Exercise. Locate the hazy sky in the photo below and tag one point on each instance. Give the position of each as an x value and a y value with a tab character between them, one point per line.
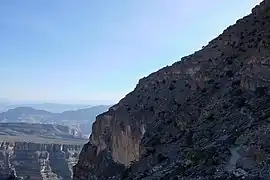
67	50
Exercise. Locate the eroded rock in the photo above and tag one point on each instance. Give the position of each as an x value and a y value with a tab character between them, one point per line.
32	161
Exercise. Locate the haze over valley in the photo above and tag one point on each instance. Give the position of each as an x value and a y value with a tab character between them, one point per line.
81	119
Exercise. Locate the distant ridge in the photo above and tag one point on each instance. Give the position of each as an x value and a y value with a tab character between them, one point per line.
51	107
80	118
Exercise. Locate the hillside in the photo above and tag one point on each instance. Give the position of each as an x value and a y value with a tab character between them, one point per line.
204	117
81	118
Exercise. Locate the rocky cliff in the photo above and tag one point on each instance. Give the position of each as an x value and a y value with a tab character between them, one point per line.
35	161
38	151
204	117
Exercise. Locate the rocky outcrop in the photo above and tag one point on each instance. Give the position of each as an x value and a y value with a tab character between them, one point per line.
38	161
204	117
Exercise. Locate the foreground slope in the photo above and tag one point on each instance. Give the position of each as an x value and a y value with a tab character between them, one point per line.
205	117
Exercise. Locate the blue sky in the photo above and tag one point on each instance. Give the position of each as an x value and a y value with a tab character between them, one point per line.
74	51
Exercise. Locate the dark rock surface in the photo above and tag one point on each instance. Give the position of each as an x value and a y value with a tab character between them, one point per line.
205	117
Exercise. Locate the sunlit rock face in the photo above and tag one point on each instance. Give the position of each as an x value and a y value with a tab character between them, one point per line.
38	161
204	117
113	144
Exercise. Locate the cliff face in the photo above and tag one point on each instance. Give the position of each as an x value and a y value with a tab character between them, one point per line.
38	151
206	116
38	161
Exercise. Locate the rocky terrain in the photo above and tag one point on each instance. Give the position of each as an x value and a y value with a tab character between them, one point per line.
80	118
36	161
204	117
38	151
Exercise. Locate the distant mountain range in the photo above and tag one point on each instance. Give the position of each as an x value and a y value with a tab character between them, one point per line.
39	133
80	118
51	107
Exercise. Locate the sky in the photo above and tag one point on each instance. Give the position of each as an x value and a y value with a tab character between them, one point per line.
97	50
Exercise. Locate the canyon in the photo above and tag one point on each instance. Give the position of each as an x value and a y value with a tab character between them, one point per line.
36	161
204	117
38	151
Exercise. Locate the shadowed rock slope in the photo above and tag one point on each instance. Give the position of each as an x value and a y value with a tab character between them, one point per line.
205	117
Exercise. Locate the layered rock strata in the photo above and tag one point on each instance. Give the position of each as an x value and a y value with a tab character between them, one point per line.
35	161
204	117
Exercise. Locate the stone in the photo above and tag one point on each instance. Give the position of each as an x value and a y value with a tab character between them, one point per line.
239	172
